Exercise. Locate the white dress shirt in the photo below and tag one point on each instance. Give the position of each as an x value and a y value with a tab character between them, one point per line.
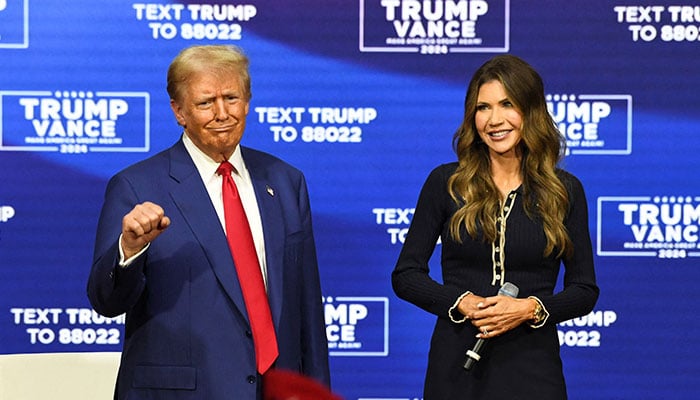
207	167
207	170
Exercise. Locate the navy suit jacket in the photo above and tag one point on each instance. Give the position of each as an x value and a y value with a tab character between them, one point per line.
187	334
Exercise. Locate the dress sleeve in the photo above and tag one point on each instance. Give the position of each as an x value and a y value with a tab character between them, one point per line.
580	291
411	276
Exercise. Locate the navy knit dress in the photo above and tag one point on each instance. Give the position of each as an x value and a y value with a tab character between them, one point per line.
523	363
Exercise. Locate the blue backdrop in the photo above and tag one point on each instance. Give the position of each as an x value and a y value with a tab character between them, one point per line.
364	97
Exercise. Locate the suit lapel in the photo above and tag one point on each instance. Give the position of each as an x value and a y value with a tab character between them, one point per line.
268	199
192	200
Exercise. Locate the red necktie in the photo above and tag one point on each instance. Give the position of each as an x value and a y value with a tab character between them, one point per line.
240	241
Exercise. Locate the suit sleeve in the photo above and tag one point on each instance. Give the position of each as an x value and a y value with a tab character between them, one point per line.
113	290
314	341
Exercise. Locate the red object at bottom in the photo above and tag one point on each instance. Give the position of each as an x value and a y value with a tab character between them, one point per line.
287	385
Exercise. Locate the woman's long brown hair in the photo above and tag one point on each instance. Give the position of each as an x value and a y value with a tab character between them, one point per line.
472	186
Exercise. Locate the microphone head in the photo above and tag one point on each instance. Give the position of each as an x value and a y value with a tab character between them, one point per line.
508	289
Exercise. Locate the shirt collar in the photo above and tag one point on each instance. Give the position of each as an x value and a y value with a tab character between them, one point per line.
206	165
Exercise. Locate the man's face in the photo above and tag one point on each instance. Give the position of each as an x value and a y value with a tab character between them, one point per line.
213	111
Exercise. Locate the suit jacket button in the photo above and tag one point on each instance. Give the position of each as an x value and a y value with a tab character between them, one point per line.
249	334
252	379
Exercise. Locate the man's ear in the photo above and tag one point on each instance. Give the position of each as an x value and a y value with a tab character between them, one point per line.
177	110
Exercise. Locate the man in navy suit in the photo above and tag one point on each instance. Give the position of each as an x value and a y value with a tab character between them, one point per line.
162	257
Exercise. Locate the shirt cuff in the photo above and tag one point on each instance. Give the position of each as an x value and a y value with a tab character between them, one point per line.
546	314
125	263
452	312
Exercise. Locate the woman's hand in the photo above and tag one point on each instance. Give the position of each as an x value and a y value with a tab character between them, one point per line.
496	315
469	304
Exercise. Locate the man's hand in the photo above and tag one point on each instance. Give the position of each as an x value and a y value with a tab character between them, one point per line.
141	226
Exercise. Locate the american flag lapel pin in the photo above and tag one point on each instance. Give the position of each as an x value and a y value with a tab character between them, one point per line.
270	190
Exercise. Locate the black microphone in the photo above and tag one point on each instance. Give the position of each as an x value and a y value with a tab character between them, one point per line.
508	289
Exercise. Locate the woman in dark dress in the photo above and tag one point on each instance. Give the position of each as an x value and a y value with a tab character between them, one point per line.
504	212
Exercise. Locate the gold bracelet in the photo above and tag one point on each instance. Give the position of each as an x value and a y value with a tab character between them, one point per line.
538	315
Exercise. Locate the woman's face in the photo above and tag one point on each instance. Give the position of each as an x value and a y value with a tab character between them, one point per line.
497	120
